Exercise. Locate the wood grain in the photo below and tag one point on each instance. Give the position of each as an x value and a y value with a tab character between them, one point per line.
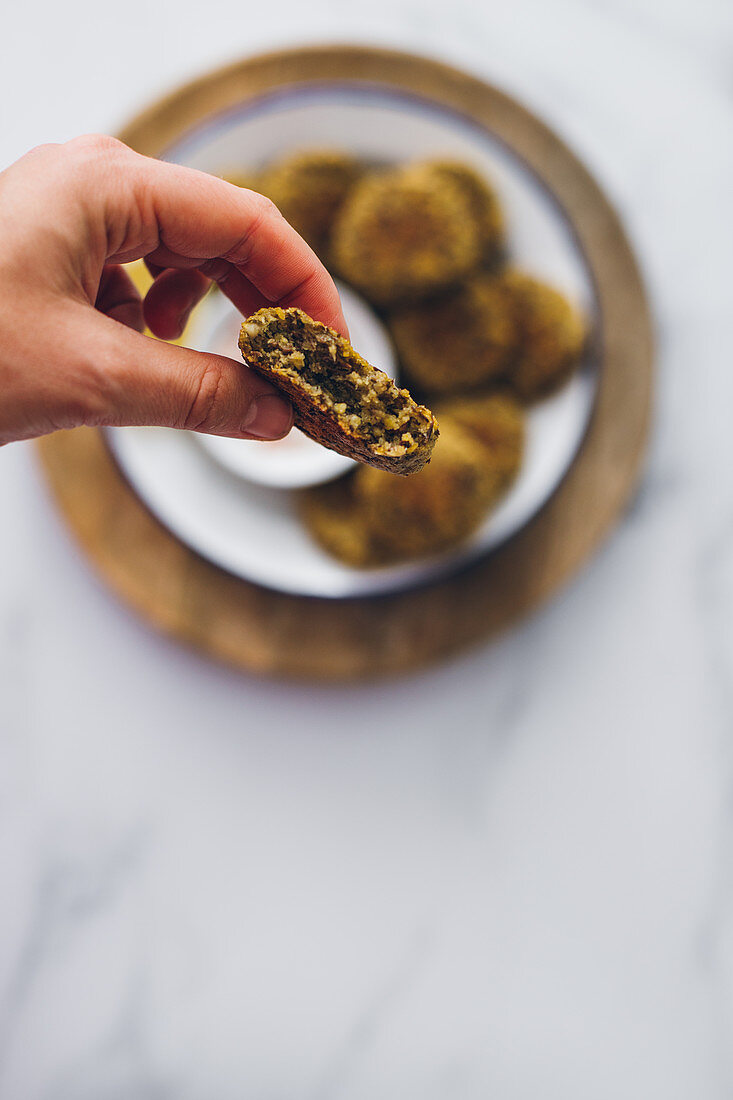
279	634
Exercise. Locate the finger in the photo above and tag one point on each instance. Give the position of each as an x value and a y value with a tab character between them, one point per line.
230	280
235	286
171	298
270	273
154	269
141	380
240	292
118	297
202	217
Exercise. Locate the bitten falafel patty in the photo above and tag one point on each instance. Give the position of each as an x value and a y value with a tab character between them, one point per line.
340	400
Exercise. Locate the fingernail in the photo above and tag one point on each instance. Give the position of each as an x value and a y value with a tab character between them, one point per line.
268	417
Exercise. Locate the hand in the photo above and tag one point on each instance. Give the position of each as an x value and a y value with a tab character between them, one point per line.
71	345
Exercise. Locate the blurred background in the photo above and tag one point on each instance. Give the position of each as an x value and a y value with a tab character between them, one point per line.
506	876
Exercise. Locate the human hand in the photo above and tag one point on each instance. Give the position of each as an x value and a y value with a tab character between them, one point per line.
71	345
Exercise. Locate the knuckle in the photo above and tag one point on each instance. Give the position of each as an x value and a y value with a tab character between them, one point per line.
96	142
94	394
264	207
97	147
88	411
85	398
204	408
43	149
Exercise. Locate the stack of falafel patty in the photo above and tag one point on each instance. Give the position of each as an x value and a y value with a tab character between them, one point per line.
477	339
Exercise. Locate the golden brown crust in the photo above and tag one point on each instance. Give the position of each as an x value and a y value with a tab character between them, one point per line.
483	202
371	519
496	421
309	188
461	340
339	525
346	405
438	508
404	234
551	335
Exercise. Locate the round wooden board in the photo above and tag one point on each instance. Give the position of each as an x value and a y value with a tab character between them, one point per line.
275	633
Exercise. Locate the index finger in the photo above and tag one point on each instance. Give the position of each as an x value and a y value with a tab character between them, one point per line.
197	217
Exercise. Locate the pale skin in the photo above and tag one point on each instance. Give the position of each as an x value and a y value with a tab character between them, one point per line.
72	349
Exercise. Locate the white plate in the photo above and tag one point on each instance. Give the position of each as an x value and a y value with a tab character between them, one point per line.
253	531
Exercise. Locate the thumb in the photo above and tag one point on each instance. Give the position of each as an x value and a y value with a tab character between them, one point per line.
146	381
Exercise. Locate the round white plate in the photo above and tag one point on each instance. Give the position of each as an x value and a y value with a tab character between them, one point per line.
252	530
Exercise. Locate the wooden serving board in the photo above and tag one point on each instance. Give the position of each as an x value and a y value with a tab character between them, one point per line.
279	634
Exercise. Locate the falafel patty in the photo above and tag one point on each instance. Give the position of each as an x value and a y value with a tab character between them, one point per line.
309	188
551	335
340	400
463	339
404	234
483	201
497	421
370	518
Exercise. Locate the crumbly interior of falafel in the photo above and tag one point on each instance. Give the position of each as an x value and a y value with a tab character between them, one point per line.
364	400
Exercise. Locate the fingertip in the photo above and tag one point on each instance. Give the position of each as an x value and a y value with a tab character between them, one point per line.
328	304
319	298
165	326
333	313
269	417
118	298
171	299
340	325
339	322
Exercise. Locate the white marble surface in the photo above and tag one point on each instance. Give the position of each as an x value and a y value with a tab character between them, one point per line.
214	887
